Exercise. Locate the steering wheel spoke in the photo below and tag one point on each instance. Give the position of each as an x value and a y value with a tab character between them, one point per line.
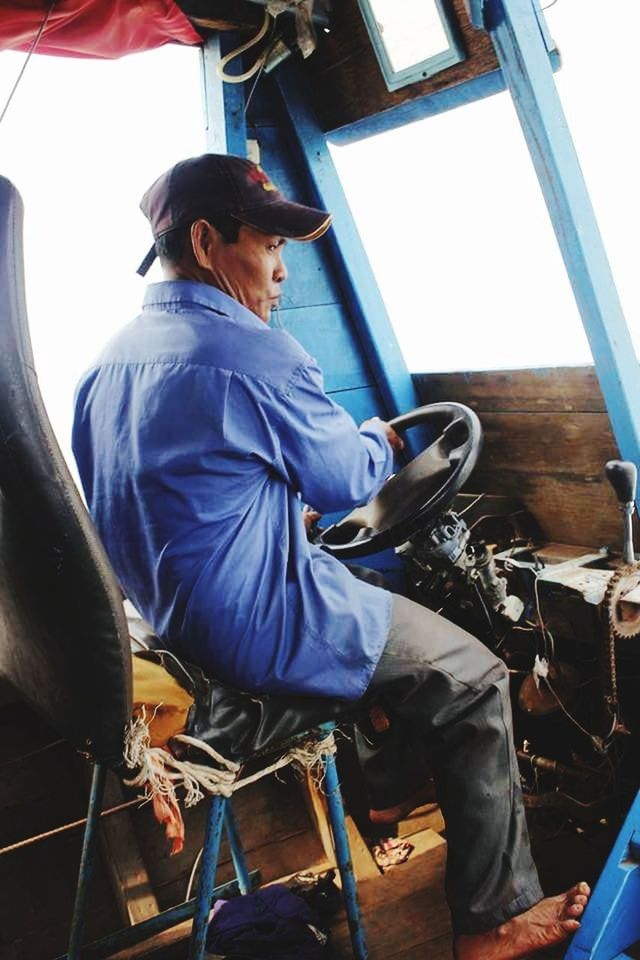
419	492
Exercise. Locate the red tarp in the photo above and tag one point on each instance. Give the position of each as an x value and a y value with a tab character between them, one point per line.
94	28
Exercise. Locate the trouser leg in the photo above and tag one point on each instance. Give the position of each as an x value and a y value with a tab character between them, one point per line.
394	765
445	688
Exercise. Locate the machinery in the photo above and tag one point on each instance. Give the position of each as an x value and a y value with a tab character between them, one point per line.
565	621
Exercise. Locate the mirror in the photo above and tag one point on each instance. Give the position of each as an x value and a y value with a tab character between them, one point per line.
413	39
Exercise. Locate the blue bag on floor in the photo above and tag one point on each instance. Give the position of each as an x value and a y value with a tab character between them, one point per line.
270	924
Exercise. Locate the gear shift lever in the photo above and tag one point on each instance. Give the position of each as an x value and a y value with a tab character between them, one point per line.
623	477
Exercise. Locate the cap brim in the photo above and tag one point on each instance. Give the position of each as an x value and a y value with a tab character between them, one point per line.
284	218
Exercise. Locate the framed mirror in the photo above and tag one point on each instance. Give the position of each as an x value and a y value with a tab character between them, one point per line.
413	39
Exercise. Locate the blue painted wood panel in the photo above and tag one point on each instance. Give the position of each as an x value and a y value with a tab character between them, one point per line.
314	306
362	295
362	403
311	277
325	333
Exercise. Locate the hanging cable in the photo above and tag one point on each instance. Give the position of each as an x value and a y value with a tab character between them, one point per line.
35	43
271	42
240	78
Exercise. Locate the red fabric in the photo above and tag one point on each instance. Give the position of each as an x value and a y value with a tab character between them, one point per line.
104	29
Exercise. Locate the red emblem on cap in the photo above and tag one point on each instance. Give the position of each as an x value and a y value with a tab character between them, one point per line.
258	175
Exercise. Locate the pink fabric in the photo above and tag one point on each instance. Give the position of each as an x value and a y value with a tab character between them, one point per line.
103	29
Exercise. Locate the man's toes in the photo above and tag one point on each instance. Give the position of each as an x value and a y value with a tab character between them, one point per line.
574	909
581	899
569	926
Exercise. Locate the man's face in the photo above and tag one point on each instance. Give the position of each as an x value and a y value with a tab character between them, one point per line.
250	270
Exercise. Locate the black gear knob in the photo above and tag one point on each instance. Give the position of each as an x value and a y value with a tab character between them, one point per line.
623	477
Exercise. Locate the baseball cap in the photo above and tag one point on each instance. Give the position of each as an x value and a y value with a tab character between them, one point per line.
214	184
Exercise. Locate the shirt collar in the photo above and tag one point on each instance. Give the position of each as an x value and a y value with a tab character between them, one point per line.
186	293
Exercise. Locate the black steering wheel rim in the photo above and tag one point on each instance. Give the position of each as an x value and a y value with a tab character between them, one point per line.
419	492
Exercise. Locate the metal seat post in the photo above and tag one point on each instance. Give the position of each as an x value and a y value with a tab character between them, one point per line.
87	861
343	853
208	867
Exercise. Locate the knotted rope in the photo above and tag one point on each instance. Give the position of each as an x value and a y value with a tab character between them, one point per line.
160	773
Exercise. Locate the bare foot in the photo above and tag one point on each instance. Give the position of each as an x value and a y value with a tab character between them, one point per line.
548	922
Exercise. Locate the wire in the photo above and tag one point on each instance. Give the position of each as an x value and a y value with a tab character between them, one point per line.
484	606
35	43
241	77
565	711
549	642
271	42
461	513
496	516
192	875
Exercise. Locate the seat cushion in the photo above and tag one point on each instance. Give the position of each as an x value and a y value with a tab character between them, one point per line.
160	699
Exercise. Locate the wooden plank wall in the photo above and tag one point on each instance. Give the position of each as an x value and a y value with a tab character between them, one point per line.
348	83
313	307
547	438
42	786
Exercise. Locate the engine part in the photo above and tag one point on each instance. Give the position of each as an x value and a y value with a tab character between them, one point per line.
538	698
622	601
494	587
446	544
443	544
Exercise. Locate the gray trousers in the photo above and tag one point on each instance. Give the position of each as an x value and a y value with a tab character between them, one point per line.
448	700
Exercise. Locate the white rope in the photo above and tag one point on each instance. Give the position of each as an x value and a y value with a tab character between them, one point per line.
159	772
241	77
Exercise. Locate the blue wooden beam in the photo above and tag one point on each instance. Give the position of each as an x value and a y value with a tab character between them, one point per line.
224	103
356	276
428	105
520	46
439	101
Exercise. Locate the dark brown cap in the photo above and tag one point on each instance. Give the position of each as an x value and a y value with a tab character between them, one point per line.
217	184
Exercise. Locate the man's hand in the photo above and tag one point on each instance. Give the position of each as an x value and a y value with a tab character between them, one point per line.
309	517
395	441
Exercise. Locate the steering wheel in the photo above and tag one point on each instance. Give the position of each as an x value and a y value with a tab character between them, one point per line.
419	492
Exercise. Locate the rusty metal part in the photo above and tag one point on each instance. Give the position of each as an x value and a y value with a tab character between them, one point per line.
547	765
583	813
624	623
537	699
623	615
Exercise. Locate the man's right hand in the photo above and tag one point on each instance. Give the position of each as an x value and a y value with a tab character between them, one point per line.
395	441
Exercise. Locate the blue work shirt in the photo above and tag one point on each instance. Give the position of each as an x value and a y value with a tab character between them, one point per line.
195	434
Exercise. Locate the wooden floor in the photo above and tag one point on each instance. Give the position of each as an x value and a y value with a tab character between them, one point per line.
405	912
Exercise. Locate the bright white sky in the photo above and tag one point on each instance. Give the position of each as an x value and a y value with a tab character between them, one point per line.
458	236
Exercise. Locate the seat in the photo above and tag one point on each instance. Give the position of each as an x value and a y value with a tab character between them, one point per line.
68	651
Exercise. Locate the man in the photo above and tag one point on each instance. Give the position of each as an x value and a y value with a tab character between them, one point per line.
195	434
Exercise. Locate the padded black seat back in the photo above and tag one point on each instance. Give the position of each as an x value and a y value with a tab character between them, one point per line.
63	633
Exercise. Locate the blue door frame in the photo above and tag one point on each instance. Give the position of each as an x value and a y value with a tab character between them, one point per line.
517	30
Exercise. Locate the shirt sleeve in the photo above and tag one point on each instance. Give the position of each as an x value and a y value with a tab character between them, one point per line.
333	464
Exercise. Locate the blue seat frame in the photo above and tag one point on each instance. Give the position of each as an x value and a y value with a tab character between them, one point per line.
221	815
611	921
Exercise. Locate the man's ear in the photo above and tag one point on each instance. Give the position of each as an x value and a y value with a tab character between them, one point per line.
204	242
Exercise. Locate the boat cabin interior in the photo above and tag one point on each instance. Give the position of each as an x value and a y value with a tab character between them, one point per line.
513	514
